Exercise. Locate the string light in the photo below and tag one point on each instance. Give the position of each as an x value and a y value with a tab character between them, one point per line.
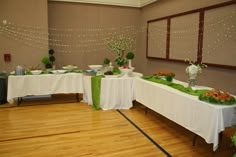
87	39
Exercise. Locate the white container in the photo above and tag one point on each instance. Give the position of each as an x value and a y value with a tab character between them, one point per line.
36	72
95	67
20	70
126	72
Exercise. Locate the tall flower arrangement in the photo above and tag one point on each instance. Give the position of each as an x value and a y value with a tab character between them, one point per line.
193	70
121	45
201	65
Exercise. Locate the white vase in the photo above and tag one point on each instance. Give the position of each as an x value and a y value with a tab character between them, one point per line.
130	63
193	71
53	67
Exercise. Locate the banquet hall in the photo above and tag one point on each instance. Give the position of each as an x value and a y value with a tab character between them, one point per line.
112	78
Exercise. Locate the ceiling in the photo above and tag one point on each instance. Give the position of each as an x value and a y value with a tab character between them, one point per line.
128	3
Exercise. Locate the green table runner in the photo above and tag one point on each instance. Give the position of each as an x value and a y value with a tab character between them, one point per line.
177	86
96	89
189	90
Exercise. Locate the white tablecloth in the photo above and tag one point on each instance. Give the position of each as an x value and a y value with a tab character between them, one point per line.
116	93
20	86
204	119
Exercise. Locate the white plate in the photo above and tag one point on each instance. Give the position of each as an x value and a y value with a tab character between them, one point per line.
58	71
13	73
95	67
89	71
69	67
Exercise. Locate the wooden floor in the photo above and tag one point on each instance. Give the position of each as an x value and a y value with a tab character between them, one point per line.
71	129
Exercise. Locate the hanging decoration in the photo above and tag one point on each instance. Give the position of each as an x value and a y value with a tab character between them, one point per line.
90	40
65	40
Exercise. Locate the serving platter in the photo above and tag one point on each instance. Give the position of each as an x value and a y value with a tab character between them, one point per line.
58	71
36	72
69	67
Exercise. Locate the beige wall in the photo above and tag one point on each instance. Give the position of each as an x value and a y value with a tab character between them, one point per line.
75	15
224	79
31	13
83	19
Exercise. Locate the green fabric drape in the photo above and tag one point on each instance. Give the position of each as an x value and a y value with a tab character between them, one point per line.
96	89
189	90
177	86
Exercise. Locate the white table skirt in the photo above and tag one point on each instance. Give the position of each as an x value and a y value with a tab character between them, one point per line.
116	93
87	88
204	119
20	86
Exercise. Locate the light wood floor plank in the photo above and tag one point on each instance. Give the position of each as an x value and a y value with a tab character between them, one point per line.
75	129
175	139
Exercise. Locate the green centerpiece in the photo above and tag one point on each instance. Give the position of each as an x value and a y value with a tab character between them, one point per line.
130	56
48	61
45	60
52	59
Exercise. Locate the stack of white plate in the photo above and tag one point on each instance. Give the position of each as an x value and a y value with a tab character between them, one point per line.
36	72
58	71
69	67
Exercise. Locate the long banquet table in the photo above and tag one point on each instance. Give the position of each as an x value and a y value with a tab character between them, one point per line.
24	85
204	119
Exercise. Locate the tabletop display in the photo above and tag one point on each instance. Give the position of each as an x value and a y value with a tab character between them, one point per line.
202	118
187	107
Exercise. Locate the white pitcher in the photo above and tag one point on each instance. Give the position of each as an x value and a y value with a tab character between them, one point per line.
20	70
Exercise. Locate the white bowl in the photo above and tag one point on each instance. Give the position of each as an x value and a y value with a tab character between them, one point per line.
95	67
58	71
125	72
36	72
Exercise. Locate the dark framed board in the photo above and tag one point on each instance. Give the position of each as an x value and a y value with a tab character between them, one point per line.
206	35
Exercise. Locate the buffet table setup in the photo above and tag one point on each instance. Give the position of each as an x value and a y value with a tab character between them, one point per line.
182	106
202	110
191	107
